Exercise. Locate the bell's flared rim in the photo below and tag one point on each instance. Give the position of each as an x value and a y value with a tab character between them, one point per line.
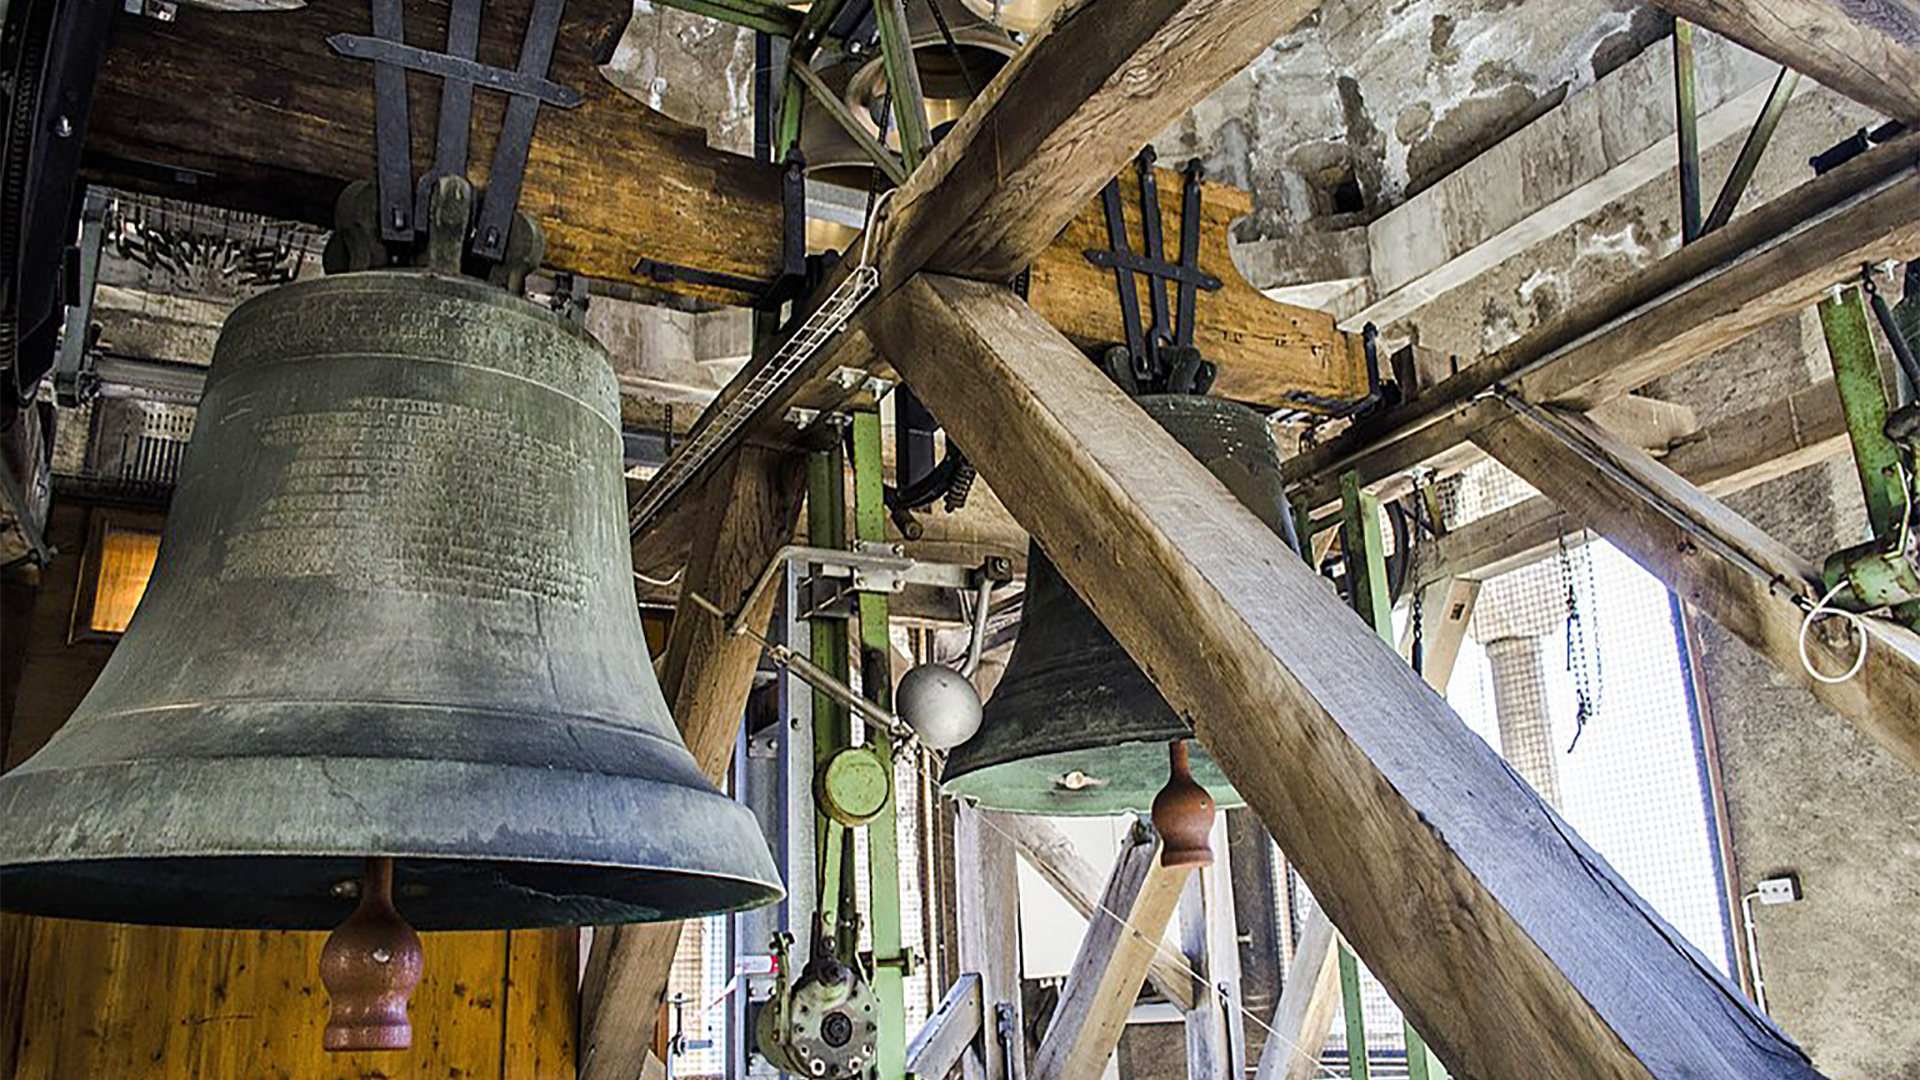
1083	781
269	843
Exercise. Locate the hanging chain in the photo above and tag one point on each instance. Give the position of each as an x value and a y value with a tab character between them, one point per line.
1583	653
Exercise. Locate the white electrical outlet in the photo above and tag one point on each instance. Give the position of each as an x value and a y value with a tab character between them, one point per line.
1779	890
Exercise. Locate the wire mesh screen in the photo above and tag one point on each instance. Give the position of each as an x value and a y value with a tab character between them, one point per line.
696	1010
1575	672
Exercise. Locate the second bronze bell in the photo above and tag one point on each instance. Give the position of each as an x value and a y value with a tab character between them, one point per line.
1075	727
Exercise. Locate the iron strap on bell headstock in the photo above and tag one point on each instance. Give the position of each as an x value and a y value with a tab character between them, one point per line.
1160	358
403	205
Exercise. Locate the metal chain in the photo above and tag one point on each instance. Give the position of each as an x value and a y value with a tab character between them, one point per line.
1583	653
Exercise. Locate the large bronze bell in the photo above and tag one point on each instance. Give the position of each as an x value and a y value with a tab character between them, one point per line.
1075	727
393	618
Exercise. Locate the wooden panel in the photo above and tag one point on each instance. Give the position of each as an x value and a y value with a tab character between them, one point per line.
255	112
1264	348
100	1000
1442	868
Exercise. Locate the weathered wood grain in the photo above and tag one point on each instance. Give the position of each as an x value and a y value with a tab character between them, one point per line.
1264	349
1768	262
1868	50
1068	113
1437	863
1135	907
255	112
1729	456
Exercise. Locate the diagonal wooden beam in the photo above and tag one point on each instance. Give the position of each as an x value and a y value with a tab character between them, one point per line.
1067	114
1441	867
707	673
1304	1013
1731	455
1135	908
1054	858
1736	575
1767	263
1868	50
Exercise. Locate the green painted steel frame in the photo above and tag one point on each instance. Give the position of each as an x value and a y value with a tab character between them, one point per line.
1363	548
890	960
1863	400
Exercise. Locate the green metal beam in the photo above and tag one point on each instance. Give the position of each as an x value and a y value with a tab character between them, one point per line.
1364	550
1863	400
1365	556
1687	130
890	959
832	724
903	81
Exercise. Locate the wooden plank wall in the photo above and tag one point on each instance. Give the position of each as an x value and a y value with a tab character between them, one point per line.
95	1000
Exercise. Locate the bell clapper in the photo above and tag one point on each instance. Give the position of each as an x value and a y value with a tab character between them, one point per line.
1183	814
370	965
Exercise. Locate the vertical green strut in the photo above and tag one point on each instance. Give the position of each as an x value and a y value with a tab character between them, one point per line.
1366	563
832	727
890	961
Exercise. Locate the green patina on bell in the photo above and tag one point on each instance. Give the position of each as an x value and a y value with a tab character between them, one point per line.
393	616
1075	727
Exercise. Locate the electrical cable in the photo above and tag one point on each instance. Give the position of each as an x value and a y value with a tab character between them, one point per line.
657	583
1859	629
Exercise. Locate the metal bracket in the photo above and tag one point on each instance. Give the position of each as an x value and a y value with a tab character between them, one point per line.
1149	348
403	204
74	380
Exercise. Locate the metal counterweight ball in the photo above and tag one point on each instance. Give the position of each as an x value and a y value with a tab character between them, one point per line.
940	704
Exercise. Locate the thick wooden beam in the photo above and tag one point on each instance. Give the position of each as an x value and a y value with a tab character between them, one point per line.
1265	350
987	896
1060	865
1730	571
255	112
936	1050
1304	1013
1731	455
1068	113
1438	864
1868	50
1135	908
1769	262
706	674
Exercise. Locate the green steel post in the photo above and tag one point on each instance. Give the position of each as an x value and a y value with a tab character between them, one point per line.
1350	1008
1686	101
1365	556
786	132
1364	549
832	726
903	82
1863	400
883	837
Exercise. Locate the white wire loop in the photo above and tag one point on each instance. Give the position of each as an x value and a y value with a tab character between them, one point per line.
1815	614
